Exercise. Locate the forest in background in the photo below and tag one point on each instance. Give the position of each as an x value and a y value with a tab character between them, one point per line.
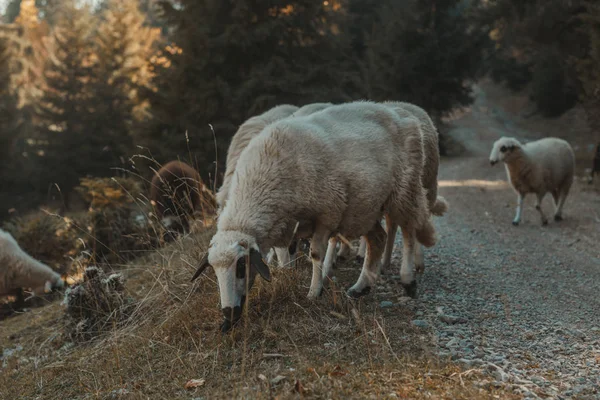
100	88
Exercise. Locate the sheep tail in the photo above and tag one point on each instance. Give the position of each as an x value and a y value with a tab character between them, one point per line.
426	234
440	207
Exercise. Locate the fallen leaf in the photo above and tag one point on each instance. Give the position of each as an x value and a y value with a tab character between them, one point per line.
194	383
298	387
337	315
337	371
277	379
262	377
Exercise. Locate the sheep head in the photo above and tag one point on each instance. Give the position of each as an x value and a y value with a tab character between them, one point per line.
503	149
236	259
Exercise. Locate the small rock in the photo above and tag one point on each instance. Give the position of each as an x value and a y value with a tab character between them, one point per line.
420	323
277	379
386	304
451	319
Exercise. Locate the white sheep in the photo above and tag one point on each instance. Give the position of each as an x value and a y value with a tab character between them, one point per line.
437	204
245	133
542	166
348	165
20	271
311	108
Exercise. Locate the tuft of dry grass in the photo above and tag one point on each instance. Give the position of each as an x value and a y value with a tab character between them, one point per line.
285	347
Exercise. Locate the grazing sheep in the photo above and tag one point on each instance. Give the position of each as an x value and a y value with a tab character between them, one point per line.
546	165
21	271
437	204
595	165
351	165
245	133
177	192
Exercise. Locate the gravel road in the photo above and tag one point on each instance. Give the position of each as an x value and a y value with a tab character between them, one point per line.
521	303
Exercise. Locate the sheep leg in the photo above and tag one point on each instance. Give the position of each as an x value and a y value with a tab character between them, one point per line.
419	258
270	256
329	257
360	256
318	248
283	256
375	240
344	250
538	206
407	275
392	228
561	202
520	200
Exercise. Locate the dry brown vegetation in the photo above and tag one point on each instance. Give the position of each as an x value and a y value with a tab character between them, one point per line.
286	347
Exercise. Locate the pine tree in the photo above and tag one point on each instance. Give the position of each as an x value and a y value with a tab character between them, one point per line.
424	52
69	145
588	66
9	114
123	44
234	59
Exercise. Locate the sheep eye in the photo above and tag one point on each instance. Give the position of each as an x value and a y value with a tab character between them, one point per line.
240	270
503	149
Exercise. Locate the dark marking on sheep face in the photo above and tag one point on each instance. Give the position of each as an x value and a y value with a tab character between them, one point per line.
232	316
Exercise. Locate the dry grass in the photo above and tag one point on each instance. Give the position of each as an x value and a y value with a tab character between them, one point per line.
287	347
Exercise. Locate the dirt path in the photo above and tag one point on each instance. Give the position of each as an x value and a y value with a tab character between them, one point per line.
524	301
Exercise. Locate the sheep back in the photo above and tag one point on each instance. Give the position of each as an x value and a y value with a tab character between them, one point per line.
245	133
344	167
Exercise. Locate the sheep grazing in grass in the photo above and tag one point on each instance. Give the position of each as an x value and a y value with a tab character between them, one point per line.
177	192
351	164
546	165
240	140
21	271
595	165
437	204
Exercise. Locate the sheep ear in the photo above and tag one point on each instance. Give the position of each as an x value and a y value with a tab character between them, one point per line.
203	264
257	262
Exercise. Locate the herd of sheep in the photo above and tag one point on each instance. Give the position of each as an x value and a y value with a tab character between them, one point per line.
329	174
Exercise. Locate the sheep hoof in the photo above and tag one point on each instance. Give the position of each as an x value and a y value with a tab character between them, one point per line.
544	222
313	295
227	325
420	268
515	223
558	218
353	294
411	289
360	260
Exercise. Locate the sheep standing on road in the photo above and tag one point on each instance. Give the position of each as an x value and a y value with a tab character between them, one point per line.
18	271
546	165
350	166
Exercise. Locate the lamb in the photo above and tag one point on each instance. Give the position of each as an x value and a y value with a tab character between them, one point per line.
351	166
177	192
437	204
542	166
595	165
21	271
